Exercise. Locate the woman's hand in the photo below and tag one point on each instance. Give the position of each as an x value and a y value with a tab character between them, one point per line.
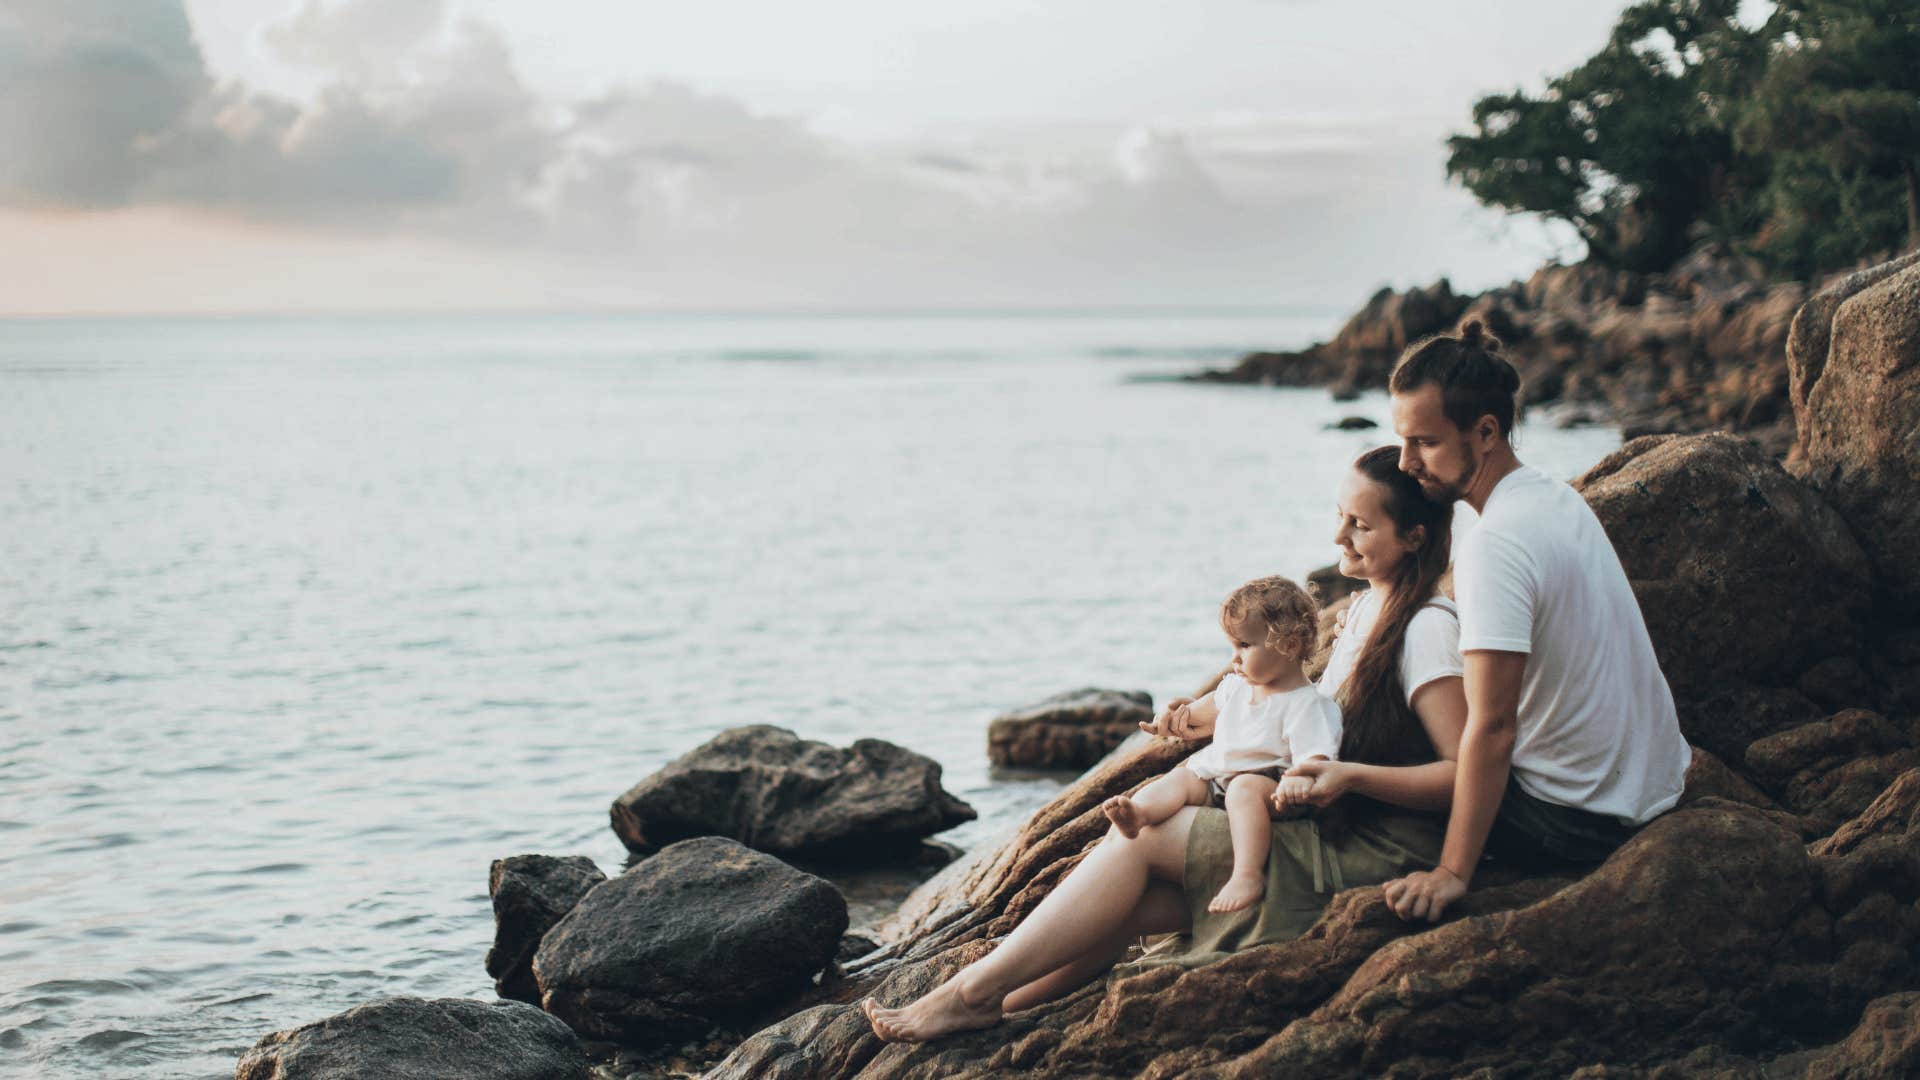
1292	792
1424	895
1330	780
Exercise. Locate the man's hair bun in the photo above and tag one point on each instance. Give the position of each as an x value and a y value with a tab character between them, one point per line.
1473	334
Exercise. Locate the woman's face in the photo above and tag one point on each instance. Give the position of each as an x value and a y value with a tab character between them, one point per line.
1371	547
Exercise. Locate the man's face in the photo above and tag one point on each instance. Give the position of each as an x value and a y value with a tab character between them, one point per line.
1434	452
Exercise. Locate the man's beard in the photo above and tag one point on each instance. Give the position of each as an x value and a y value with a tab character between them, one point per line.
1437	490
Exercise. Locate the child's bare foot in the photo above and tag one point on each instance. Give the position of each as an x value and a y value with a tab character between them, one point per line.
940	1012
1239	892
1124	815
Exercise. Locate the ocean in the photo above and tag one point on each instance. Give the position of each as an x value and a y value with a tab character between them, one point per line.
304	621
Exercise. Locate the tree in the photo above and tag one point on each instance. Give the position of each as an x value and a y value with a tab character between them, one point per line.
1634	148
1838	110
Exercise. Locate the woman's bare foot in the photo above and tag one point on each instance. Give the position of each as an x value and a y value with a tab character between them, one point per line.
1239	892
1124	815
942	1011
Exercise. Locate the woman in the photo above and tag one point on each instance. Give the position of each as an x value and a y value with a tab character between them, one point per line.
1396	673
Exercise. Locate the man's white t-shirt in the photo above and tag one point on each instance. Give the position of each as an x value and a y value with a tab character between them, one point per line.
1596	728
1430	650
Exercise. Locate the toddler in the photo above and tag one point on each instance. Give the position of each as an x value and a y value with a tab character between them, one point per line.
1266	716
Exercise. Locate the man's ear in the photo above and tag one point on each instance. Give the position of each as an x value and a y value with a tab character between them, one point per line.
1416	538
1487	429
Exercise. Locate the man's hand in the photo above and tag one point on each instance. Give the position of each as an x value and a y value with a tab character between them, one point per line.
1292	792
1326	781
1424	895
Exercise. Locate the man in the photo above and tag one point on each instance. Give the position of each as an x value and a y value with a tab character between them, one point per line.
1571	741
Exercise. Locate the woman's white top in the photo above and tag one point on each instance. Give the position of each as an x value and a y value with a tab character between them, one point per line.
1431	649
1271	733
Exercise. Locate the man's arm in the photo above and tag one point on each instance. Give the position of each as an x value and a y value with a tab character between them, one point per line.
1480	781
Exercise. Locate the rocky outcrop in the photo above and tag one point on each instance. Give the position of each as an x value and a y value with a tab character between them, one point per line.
1071	730
1854	362
704	933
443	1039
1832	769
1744	575
774	791
1700	347
530	894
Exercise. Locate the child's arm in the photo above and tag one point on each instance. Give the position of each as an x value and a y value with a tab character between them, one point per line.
1192	720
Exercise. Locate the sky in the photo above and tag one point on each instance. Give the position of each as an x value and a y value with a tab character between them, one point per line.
233	156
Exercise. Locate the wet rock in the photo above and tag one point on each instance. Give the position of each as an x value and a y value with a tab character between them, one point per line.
1854	369
1352	423
771	790
1745	576
1071	730
703	933
418	1039
530	894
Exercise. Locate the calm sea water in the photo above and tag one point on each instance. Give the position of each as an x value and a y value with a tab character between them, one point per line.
304	622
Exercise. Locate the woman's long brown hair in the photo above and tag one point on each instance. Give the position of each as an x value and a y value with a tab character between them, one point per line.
1379	726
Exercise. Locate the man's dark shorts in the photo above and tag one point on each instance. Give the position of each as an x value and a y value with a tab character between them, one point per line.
1537	834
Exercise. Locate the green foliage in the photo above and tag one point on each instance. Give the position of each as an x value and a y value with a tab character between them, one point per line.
1798	140
1839	110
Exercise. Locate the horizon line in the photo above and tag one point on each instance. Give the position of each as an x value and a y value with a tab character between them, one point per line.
771	311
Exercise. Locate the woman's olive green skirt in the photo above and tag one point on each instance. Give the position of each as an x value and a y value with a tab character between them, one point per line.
1309	860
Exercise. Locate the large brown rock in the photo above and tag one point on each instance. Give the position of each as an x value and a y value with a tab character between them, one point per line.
1854	364
408	1038
1744	575
704	933
774	791
1071	730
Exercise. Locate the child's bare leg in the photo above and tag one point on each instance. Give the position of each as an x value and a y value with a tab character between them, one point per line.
1247	821
1156	802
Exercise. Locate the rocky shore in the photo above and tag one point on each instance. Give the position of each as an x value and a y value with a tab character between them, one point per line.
1768	927
1699	348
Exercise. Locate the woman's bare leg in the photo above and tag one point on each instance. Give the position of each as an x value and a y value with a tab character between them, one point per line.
1162	910
1252	832
1081	916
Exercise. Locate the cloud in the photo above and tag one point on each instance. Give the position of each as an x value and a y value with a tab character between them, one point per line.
424	128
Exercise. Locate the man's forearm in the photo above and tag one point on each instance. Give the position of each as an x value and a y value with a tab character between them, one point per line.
1479	783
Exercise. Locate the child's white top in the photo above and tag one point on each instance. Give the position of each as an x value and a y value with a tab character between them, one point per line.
1278	731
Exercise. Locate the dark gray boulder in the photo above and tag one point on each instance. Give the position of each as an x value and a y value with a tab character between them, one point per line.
704	933
408	1038
772	790
1071	730
531	893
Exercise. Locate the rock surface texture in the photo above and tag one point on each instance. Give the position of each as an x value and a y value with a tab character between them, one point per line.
774	791
702	934
1744	575
530	894
1067	731
1854	358
415	1039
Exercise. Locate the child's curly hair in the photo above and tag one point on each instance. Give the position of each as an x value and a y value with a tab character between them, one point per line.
1292	618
